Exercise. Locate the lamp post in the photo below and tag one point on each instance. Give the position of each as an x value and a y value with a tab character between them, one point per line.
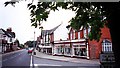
34	44
32	66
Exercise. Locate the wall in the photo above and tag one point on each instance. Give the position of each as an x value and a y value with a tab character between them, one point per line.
96	47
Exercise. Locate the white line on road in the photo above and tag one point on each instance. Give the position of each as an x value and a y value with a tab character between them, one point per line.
31	62
46	65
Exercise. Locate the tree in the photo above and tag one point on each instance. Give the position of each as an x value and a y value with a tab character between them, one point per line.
91	14
17	42
29	43
87	13
22	46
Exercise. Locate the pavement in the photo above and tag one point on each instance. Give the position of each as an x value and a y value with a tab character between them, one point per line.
67	59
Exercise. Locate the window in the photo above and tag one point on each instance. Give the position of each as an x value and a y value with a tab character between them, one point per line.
79	35
10	39
88	30
106	46
74	34
71	35
85	33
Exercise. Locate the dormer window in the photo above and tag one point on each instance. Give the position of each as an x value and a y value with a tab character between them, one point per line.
106	46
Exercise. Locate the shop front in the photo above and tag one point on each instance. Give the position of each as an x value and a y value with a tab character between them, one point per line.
59	49
67	50
80	51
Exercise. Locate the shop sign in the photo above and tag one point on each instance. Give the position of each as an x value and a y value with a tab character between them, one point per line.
107	58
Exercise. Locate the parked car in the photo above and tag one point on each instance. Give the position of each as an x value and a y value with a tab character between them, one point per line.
30	50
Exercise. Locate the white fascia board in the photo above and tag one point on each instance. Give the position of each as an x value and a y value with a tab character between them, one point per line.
77	40
79	44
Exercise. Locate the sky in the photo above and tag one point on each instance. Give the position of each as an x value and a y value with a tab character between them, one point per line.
18	18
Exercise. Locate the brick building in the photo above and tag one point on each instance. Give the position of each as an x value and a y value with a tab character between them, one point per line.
78	45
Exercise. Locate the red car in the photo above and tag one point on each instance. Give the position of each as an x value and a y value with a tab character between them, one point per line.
30	50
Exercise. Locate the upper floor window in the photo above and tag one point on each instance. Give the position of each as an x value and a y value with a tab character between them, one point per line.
88	30
85	34
106	46
74	34
79	35
71	35
10	39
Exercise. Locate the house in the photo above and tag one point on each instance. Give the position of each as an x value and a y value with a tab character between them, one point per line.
46	40
3	40
10	40
74	46
7	37
78	45
104	44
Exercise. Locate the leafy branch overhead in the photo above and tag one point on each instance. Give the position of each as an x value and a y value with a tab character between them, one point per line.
87	15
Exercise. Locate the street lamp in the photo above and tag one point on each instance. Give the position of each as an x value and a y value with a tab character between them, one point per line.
34	44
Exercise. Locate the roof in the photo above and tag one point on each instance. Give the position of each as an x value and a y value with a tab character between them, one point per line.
8	33
11	33
2	31
45	32
106	41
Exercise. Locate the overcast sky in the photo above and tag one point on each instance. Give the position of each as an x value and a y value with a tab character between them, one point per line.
18	18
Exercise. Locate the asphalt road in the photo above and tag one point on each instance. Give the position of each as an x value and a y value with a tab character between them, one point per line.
48	63
21	59
16	59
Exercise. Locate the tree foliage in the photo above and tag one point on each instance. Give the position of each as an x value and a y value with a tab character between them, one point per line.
87	14
17	42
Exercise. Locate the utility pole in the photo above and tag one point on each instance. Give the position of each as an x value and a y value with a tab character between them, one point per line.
34	44
33	52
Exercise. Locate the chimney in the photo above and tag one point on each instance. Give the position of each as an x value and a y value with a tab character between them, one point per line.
9	29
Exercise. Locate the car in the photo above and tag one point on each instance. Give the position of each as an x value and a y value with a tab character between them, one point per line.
30	50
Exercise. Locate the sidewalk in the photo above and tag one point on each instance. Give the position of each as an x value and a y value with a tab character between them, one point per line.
67	59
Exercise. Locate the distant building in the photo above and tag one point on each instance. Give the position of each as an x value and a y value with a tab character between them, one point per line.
11	39
7	37
46	40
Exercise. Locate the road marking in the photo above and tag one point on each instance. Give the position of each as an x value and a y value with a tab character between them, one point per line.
31	62
45	65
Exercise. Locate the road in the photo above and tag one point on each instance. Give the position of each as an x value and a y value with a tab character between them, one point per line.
16	59
40	62
21	59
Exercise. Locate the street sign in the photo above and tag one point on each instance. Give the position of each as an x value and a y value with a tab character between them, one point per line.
107	58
